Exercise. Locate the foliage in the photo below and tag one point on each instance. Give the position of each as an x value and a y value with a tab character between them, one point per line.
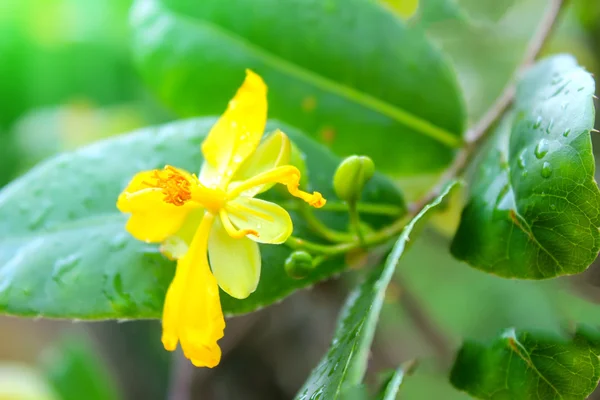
525	365
388	104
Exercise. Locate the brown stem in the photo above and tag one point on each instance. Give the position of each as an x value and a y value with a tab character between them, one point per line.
476	134
474	137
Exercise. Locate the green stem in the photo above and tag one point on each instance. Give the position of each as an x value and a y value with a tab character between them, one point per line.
320	228
370	240
355	222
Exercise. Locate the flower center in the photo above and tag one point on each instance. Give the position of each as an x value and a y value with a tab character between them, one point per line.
174	185
180	188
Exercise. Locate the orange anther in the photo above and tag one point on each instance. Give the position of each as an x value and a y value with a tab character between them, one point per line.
175	186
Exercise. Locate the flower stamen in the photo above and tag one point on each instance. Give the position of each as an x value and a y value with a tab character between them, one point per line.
175	186
287	175
232	230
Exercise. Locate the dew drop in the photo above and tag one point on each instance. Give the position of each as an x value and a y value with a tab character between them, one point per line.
541	149
546	170
258	226
566	132
64	265
317	395
538	122
522	159
119	241
119	298
237	159
39	217
550	125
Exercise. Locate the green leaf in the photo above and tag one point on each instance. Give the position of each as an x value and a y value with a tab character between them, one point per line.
534	208
64	251
524	365
330	73
390	388
345	363
76	371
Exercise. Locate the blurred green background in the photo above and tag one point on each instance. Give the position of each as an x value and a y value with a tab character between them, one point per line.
67	78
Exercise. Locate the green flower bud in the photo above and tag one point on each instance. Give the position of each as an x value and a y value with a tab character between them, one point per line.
299	264
351	177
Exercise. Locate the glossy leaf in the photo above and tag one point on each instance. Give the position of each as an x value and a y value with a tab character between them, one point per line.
528	365
534	208
329	72
64	251
390	388
76	371
345	363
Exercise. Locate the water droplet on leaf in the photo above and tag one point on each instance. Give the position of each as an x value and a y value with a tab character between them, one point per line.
546	170
64	265
119	241
39	216
550	125
541	149
522	159
317	395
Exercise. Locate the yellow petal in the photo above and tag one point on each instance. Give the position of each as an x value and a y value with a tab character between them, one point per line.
192	312
273	152
237	133
234	262
176	246
152	219
287	175
271	222
210	176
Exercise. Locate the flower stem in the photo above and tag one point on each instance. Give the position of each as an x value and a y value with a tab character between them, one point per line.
320	228
355	222
370	239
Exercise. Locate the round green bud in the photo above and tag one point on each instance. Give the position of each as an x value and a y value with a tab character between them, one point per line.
299	264
351	177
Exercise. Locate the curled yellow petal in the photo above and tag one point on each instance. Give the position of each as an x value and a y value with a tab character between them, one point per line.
237	133
274	151
287	175
152	219
192	313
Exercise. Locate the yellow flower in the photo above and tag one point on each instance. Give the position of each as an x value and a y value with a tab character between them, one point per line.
217	215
